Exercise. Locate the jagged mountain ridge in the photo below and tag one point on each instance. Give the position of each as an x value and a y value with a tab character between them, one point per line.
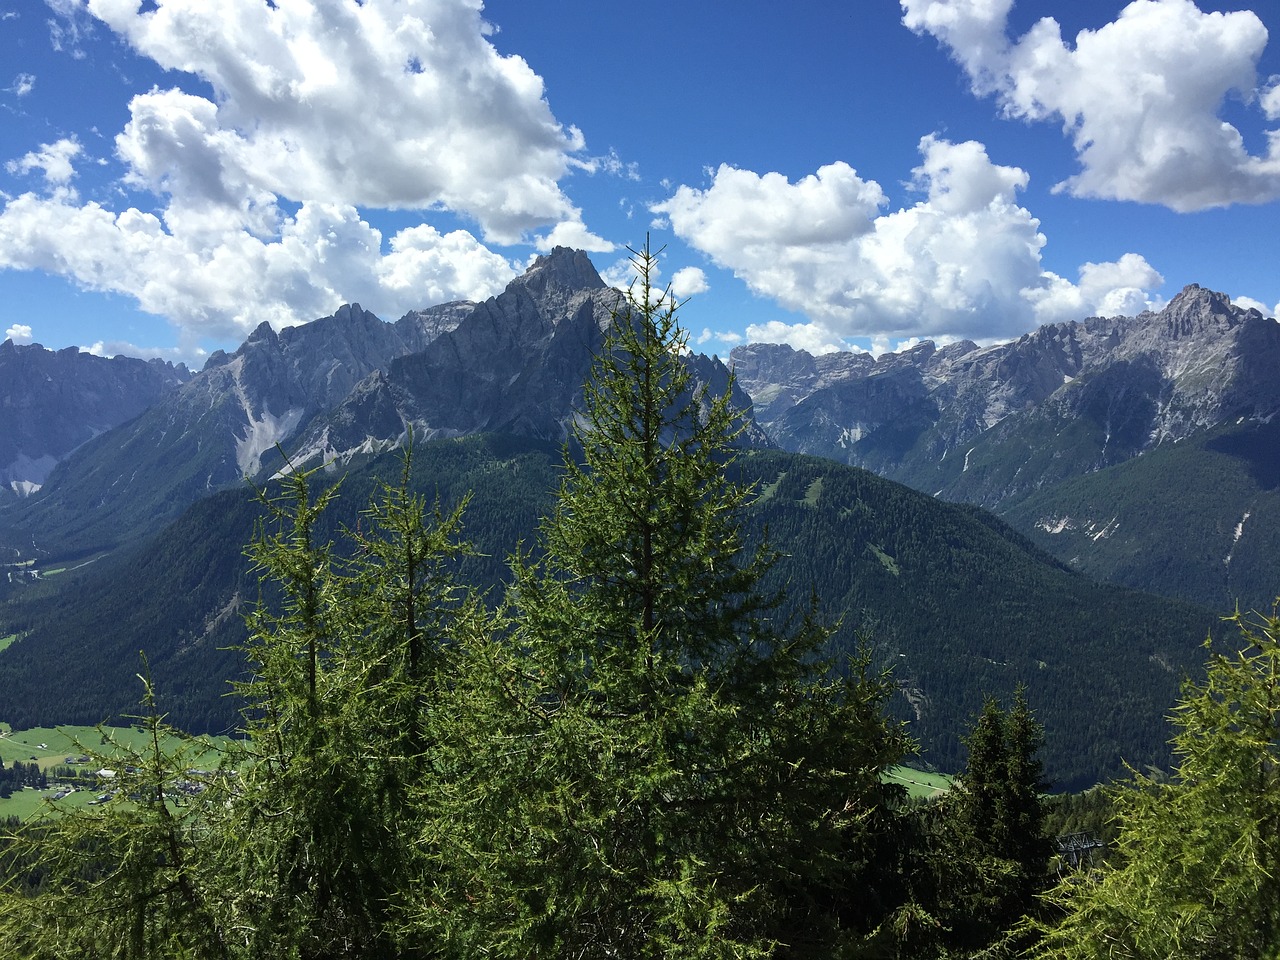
337	388
215	429
516	366
51	402
1157	377
1004	425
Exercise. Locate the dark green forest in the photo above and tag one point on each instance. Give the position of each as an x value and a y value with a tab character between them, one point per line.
640	741
954	602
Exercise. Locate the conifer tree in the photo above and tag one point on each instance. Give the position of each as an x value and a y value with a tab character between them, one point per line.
985	852
125	878
1196	871
319	820
648	764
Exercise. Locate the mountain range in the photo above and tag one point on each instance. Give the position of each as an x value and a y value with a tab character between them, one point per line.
1139	450
52	402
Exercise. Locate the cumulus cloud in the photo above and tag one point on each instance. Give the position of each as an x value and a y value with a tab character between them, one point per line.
53	160
457	124
964	261
223	285
23	84
1140	97
19	333
688	282
1248	303
317	111
816	338
573	233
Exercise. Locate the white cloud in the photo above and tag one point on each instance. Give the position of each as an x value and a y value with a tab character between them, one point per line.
813	337
317	110
70	26
456	124
1248	303
962	262
728	338
1270	99
1104	290
19	333
23	84
1140	97
223	285
688	282
573	233
612	164
685	282
123	348
53	160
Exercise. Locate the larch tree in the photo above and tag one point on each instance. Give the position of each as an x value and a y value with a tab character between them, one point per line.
1196	870
648	763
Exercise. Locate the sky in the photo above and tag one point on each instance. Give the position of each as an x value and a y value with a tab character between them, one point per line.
824	173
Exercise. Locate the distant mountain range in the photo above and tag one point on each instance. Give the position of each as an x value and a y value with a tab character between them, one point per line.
339	388
52	402
1140	450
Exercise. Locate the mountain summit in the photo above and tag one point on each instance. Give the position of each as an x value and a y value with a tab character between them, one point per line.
339	387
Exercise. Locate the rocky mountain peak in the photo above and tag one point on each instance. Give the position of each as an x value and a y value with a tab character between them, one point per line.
351	312
1195	311
557	278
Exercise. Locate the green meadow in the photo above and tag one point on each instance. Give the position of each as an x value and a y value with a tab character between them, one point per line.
51	747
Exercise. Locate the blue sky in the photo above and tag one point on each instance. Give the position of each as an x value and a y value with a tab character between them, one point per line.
828	174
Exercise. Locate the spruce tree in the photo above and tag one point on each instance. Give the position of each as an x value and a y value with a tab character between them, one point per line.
649	763
984	849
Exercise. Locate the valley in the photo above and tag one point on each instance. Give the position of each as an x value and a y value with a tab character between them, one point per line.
145	523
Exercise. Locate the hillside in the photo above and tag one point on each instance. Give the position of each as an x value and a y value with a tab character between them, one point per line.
1055	430
954	602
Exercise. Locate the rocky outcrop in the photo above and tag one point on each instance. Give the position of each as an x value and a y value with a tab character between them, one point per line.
51	402
1105	389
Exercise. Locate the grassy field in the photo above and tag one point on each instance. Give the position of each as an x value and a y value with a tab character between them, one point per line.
28	803
51	746
919	783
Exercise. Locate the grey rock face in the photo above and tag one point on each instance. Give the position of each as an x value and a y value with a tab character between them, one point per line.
1122	384
224	423
516	364
52	402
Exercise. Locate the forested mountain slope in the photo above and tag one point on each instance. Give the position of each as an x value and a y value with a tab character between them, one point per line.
955	602
1075	406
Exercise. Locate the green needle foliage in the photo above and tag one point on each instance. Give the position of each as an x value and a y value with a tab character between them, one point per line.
1197	871
124	879
647	764
635	756
348	665
987	849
